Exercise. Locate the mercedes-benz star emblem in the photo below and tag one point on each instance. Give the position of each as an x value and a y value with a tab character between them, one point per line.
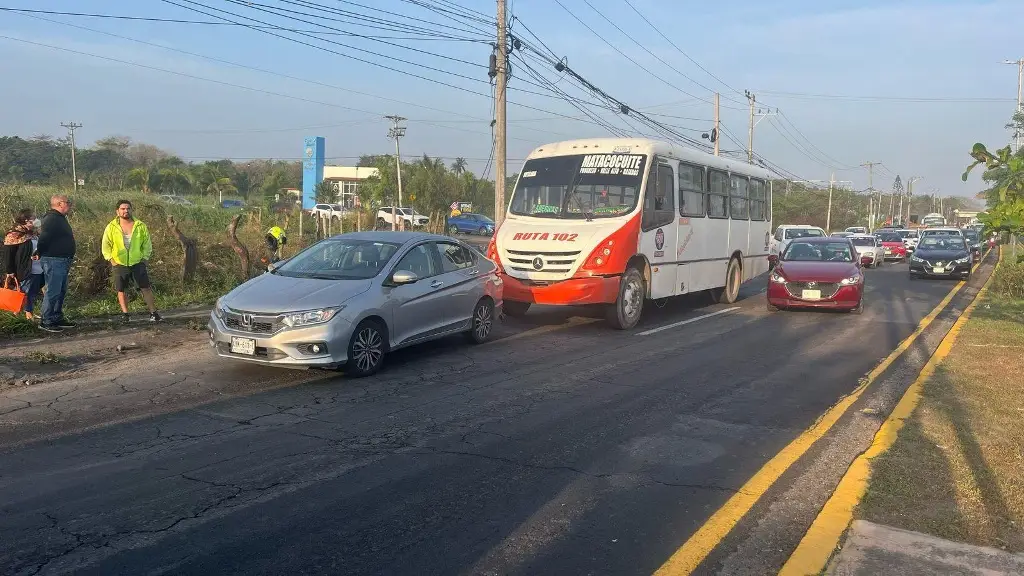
538	263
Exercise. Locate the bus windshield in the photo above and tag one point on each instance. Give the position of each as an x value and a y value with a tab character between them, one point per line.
579	186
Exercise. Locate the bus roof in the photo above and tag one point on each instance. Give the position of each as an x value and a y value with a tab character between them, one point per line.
646	146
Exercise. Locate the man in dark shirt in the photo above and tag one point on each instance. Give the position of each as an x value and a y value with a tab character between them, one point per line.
55	251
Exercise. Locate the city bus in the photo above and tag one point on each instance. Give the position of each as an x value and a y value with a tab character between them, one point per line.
619	221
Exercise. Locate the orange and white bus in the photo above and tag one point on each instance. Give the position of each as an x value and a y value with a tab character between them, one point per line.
618	221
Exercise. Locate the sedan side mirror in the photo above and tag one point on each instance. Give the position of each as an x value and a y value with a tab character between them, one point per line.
403	277
275	265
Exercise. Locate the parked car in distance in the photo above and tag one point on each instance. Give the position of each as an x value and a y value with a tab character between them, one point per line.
910	238
817	273
351	299
409	215
178	200
869	248
233	204
943	256
327	211
857	229
893	246
469	223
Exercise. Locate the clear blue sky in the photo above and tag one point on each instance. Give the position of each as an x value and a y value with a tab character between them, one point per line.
909	84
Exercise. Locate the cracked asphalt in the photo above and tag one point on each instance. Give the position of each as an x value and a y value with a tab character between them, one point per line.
562	447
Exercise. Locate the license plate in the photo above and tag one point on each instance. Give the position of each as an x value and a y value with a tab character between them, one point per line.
811	294
888	251
939	270
245	346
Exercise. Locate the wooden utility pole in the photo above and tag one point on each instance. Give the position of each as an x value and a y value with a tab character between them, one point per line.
828	215
871	191
717	123
500	141
71	126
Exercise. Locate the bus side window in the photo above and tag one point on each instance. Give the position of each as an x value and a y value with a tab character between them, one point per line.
758	199
718	194
691	191
659	209
739	201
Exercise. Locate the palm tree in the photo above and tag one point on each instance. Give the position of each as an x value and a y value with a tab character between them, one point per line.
219	186
459	166
140	178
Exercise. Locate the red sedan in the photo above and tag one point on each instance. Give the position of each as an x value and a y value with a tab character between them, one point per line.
893	245
818	273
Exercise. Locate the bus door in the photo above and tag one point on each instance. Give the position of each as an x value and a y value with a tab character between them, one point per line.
659	228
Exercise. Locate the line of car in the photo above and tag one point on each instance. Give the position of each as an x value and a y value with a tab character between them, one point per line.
815	271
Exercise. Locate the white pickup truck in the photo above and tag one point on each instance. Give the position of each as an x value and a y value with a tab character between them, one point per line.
411	217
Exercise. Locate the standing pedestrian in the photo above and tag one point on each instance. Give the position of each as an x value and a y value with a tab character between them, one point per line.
16	260
127	246
56	250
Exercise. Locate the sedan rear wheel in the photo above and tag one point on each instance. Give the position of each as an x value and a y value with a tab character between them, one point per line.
366	349
482	322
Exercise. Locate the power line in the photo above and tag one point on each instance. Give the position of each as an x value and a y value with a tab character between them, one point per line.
836	164
26	11
645	49
678	49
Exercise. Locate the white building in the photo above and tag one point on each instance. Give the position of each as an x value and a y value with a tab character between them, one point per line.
346	180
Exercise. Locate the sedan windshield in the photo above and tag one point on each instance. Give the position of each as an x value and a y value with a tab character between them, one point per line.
971	235
340	259
579	186
935	242
818	252
890	237
863	241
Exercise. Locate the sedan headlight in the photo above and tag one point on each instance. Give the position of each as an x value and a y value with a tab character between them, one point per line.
310	317
869	254
778	278
218	308
964	260
916	258
851	280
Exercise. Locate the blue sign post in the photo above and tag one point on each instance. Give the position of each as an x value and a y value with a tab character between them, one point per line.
312	169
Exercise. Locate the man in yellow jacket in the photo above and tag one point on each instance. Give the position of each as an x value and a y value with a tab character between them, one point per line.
127	246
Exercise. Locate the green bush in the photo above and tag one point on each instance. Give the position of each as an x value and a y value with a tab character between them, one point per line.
1009	280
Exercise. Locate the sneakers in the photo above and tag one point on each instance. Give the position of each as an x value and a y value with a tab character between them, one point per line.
125	318
51	328
155	317
65	323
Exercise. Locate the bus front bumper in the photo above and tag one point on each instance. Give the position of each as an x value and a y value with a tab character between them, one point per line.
574	291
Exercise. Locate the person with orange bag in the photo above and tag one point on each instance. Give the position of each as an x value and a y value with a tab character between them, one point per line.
16	261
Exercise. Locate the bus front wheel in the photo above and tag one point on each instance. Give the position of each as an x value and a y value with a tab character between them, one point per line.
515	309
625	313
731	291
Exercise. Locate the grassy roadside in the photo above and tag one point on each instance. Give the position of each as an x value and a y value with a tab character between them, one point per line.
955	469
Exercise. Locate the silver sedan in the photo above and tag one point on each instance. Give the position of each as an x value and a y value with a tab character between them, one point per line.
350	299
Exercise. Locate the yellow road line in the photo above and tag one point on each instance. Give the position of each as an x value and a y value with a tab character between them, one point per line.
686	559
822	538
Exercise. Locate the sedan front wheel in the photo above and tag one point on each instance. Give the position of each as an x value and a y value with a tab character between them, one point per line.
366	349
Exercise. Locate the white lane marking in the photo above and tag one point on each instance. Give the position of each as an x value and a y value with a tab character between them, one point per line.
684	322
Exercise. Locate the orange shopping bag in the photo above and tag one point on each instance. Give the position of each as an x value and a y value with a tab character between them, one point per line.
11	299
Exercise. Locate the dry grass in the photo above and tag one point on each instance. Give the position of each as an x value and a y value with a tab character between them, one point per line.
957	469
218	272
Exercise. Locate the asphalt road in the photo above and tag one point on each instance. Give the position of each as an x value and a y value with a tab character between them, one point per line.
563	447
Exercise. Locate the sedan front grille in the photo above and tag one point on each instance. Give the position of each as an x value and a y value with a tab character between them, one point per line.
241	322
828	289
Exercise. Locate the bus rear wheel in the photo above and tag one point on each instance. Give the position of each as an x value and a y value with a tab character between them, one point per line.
731	291
625	313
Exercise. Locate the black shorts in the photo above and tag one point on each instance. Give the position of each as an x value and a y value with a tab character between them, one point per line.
123	274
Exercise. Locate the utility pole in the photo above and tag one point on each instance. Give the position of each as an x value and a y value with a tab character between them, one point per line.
1018	135
717	119
396	132
871	191
71	126
909	195
828	215
500	136
760	116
